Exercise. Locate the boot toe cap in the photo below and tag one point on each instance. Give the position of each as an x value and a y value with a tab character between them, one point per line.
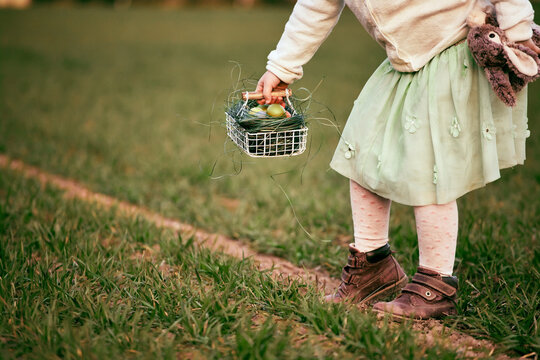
332	298
391	309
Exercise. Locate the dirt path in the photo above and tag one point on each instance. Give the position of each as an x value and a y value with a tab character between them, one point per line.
467	345
214	242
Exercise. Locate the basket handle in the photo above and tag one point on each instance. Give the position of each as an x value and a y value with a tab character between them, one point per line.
259	95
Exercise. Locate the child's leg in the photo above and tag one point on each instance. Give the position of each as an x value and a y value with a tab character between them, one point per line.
371	271
370	214
437	227
433	291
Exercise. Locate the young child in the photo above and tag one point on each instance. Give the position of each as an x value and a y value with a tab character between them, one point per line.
425	129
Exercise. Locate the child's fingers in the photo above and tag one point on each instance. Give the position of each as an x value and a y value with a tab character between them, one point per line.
268	83
267	93
531	45
260	89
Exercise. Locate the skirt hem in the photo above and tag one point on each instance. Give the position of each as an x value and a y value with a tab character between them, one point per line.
405	201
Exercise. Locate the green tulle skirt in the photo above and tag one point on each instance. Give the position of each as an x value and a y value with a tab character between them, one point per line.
431	136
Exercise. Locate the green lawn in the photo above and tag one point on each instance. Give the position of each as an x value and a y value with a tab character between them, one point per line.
81	282
130	103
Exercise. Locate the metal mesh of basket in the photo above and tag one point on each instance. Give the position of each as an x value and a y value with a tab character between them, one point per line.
267	143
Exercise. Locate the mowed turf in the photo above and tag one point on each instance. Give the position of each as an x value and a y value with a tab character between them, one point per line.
130	103
78	281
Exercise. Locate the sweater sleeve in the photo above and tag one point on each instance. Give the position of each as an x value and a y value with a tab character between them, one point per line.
515	18
309	25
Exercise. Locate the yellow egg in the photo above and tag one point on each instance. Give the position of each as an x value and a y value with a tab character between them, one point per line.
275	110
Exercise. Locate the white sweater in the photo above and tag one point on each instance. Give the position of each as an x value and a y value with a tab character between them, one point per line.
411	31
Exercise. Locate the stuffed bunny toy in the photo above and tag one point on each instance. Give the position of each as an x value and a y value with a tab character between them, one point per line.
508	66
536	34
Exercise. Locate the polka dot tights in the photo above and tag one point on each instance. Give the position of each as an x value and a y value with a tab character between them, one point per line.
436	226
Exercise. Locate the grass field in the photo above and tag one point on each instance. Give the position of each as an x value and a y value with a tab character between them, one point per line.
130	103
78	281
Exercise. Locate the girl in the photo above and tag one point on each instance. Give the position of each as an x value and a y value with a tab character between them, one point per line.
426	129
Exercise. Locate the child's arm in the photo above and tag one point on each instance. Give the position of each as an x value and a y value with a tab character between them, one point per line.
515	18
531	44
309	25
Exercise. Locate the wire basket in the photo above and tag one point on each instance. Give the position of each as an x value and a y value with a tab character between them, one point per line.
272	143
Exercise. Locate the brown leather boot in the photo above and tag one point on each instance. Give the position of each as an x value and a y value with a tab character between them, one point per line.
428	296
369	276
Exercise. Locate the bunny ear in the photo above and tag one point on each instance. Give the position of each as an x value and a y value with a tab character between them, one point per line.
523	62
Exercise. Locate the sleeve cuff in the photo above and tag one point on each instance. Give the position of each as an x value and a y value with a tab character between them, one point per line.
283	74
519	32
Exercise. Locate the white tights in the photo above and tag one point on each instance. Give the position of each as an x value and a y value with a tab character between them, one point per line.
436	226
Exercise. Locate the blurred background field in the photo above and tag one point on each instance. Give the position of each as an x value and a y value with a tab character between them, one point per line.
130	103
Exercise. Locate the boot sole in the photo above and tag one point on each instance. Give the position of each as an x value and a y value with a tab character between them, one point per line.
402	318
384	292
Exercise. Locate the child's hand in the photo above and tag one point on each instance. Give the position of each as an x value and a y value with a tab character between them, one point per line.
268	83
530	44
